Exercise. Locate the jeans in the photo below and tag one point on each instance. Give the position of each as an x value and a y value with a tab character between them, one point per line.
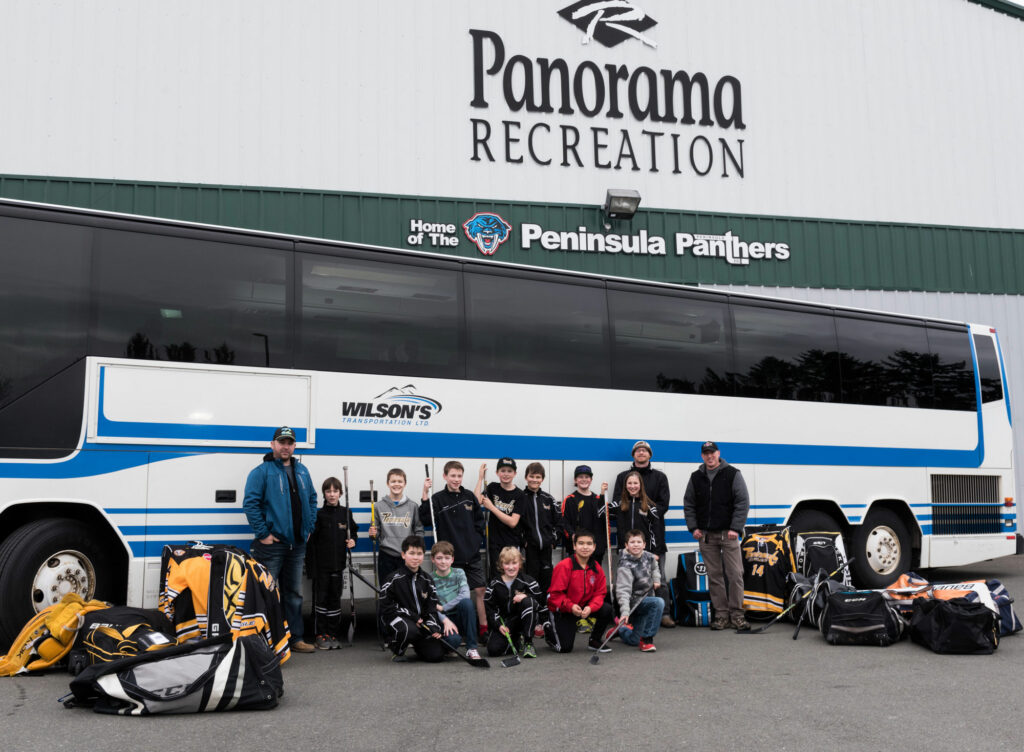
646	619
464	616
284	562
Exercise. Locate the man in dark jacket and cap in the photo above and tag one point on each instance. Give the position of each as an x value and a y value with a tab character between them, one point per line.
716	504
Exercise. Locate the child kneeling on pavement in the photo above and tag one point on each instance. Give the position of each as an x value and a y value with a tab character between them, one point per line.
514	604
638	576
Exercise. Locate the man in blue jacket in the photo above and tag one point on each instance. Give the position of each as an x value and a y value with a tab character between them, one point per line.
280	503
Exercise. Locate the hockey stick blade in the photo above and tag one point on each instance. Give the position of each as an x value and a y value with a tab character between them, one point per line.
512	660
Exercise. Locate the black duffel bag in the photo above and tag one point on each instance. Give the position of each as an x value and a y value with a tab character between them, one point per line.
194	677
955	626
860	617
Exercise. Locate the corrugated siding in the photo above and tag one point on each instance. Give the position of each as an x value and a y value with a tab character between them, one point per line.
1003	312
824	253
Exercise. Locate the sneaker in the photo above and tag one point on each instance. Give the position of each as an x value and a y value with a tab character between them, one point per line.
335	644
668	622
646	646
528	651
611	633
323	642
739	622
538	631
473	654
583	626
399	658
597	648
720	622
301	646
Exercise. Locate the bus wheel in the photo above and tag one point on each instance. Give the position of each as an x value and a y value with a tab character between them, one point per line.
881	549
43	561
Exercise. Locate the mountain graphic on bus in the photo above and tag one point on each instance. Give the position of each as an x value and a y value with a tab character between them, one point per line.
407	395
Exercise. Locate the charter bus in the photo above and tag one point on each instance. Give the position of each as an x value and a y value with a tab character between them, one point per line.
144	365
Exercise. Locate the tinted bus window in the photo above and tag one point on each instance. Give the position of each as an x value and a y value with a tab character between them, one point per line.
44	301
884	362
670	343
379	317
44	309
952	369
193	301
535	332
988	369
785	353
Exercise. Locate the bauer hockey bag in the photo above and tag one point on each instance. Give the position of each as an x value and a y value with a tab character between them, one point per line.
194	677
119	632
821	550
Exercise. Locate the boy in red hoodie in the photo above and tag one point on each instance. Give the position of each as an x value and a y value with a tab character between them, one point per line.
578	589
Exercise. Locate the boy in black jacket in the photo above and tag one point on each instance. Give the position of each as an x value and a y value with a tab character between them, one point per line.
326	553
455	515
541	526
409	608
515	599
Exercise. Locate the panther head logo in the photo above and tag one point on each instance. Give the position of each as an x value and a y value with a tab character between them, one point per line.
487	231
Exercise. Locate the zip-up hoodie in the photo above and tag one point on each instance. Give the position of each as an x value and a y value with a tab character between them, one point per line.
458	519
572	584
636	578
268	503
541	524
412	595
499	596
396	522
652	524
327	547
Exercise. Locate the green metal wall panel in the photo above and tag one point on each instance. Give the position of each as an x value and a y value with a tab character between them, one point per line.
824	253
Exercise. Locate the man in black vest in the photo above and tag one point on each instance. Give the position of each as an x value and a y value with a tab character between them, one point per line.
716	503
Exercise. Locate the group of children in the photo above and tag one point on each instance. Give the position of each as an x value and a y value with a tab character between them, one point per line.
514	598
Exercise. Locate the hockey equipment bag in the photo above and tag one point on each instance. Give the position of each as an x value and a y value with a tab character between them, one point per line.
908	588
767	560
194	677
691	591
821	550
212	590
1009	622
48	636
118	632
955	626
860	617
815	604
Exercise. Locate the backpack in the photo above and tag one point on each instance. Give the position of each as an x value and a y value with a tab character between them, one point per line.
1009	622
955	626
815	603
194	677
118	632
821	550
691	591
860	617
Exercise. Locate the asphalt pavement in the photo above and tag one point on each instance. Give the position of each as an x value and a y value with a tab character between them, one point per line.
701	690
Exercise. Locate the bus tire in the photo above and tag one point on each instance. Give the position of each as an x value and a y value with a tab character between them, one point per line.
43	560
881	549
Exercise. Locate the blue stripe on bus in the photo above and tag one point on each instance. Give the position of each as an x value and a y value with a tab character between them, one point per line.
190	530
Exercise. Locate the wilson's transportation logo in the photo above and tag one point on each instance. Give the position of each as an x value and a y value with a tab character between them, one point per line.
396	406
610	22
487	231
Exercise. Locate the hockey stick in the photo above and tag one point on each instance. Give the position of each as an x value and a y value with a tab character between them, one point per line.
430	502
348	555
474	662
803	611
608	537
793	605
515	660
625	620
373	521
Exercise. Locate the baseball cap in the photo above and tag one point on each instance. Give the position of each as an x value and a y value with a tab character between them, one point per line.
708	446
506	462
284	432
641	445
582	470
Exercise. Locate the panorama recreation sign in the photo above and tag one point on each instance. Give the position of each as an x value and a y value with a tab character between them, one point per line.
552	112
